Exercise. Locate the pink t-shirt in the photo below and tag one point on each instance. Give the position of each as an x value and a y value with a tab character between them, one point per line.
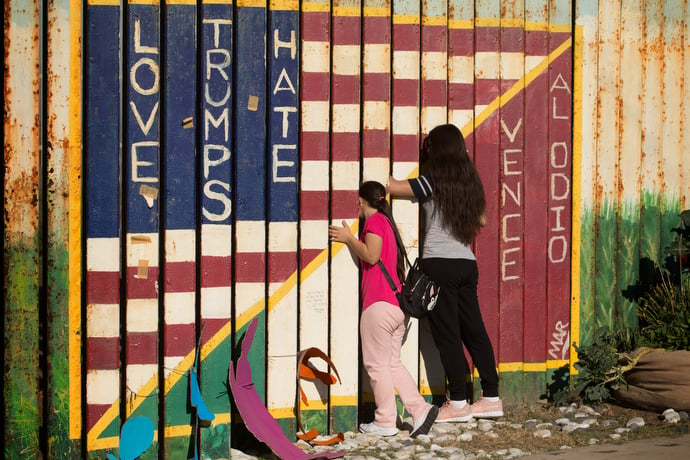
375	287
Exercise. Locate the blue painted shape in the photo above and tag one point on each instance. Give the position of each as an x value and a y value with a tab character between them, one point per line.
142	118
102	122
197	401
180	105
250	109
136	436
215	124
283	115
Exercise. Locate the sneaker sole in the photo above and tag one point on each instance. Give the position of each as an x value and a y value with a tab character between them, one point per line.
384	434
488	414
455	419
428	422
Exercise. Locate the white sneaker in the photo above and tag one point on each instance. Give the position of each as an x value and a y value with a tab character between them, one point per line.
373	428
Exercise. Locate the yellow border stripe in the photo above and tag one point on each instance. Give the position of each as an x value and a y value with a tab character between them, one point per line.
518	86
576	221
74	221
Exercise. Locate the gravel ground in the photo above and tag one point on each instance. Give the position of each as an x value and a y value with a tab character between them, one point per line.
524	430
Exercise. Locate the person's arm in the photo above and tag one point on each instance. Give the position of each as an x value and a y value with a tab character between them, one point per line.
400	188
369	251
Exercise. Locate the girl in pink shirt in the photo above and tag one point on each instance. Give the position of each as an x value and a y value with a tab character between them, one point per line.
383	324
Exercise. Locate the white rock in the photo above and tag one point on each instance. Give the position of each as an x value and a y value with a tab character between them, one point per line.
485	426
423	439
542	434
465	437
671	416
635	422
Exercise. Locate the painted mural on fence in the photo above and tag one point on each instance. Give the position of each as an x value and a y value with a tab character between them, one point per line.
233	162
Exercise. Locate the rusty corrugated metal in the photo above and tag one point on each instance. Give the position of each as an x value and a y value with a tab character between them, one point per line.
21	230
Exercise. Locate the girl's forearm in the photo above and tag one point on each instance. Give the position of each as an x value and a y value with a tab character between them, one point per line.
400	188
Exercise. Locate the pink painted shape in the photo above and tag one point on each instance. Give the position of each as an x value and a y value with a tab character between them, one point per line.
255	415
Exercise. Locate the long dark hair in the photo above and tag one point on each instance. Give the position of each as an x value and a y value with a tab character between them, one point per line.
374	193
458	190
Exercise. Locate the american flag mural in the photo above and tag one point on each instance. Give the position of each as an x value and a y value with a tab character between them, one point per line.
246	129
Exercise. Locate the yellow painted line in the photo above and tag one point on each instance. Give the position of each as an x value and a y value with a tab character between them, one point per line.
251	3
343	401
576	220
173	431
488	22
556	363
316	7
74	220
518	86
282	412
534	367
546	27
434	20
461	24
346	11
314	404
93	439
284	5
103	443
412	19
376	12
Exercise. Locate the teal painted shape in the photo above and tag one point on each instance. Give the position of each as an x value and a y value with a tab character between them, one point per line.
197	401
135	438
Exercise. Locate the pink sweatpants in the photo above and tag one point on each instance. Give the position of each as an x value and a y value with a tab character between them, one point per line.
382	327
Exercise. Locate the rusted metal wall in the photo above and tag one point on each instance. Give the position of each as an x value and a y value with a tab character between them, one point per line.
171	168
631	177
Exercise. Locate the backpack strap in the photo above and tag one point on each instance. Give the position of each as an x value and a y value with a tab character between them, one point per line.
388	277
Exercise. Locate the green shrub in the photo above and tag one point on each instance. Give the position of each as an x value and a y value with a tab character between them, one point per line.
598	367
664	315
664	311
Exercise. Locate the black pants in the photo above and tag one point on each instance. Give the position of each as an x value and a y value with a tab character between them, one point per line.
457	319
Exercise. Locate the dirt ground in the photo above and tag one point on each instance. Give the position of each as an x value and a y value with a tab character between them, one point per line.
510	437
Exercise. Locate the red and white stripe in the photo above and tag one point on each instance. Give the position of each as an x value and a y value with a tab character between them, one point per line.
102	326
142	313
376	93
314	182
215	280
179	297
405	151
345	125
